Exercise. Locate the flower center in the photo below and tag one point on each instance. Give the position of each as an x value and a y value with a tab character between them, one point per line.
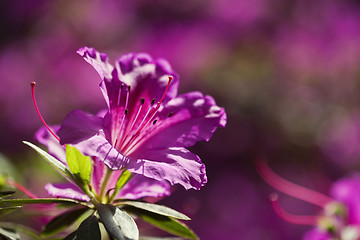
129	129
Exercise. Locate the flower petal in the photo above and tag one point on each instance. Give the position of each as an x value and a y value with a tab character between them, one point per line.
78	126
147	79
67	190
98	60
142	73
140	186
316	234
194	118
43	136
98	146
176	165
346	190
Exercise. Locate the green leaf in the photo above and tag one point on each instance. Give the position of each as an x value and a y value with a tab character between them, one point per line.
62	221
53	161
160	238
158	209
89	229
10	208
79	165
71	236
117	222
123	179
6	193
9	234
163	222
41	200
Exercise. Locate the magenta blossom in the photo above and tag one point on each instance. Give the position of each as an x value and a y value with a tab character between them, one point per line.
147	127
340	215
138	187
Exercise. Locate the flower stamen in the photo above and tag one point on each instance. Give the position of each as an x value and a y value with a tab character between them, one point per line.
119	131
126	147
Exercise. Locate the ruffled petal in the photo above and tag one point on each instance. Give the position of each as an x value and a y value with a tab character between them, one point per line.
193	117
55	149
316	234
137	78
98	60
67	190
98	146
140	186
176	165
347	191
79	126
144	74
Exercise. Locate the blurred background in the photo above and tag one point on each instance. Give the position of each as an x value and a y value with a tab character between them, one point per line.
287	73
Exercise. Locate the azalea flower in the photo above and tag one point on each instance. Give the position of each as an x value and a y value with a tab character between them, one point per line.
340	215
147	127
137	187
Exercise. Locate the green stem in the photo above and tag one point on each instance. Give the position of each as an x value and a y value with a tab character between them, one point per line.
104	184
123	179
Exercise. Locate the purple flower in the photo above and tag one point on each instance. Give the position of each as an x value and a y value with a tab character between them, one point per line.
147	127
340	216
316	234
138	187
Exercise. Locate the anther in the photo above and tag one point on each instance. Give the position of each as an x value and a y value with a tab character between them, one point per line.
154	121
170	114
153	102
126	111
142	101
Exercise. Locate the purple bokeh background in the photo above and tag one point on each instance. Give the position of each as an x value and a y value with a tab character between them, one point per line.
287	74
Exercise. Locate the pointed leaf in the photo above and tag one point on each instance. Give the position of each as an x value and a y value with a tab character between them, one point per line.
62	221
89	229
53	161
6	193
117	222
79	165
71	236
9	234
163	222
155	208
41	200
123	179
10	208
160	238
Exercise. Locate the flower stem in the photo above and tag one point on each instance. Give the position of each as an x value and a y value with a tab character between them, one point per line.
104	183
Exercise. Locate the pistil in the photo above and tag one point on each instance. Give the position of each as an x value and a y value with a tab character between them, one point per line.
291	218
290	188
38	111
